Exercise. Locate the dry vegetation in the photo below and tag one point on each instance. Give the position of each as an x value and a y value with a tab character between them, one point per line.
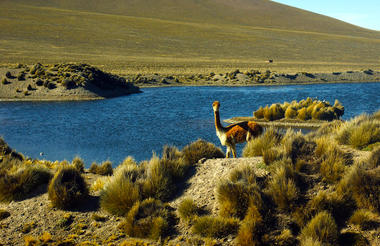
318	191
193	37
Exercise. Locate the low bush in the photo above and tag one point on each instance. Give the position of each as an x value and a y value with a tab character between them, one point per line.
321	228
256	146
290	113
259	114
199	149
119	195
365	219
251	228
187	209
148	219
8	74
4	81
21	76
333	164
215	227
20	185
67	189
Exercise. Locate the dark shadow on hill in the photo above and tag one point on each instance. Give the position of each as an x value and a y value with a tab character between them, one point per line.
89	204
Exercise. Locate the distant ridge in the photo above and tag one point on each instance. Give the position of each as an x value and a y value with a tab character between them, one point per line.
184	33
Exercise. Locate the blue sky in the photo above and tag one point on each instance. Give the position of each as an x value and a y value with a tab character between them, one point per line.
364	13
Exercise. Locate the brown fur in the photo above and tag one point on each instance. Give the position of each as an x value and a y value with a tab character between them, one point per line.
235	133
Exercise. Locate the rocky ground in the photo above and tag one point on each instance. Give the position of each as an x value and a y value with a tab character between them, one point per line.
60	82
253	77
33	217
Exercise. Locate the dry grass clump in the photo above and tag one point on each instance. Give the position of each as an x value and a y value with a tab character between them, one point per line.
67	189
334	163
359	132
148	219
119	195
250	229
78	164
374	159
215	227
22	183
255	147
187	209
365	219
199	149
364	186
282	187
104	169
322	228
303	110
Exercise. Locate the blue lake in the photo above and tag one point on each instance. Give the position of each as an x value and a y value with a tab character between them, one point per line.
139	124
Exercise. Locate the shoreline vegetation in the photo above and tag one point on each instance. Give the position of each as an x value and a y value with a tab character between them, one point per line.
289	188
61	82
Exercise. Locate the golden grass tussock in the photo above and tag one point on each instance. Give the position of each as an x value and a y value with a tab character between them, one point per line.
215	227
159	182
199	149
365	219
104	169
359	132
321	228
334	164
302	110
187	209
256	146
21	184
364	186
251	228
67	189
374	158
119	195
78	163
148	219
282	187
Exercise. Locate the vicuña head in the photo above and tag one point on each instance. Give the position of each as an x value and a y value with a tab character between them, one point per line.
236	133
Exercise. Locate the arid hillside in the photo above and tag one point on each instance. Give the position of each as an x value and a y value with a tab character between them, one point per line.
168	36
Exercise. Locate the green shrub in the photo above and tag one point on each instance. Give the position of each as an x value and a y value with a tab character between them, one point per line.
20	185
67	189
274	112
148	219
215	227
187	209
119	195
338	109
297	147
243	173
250	229
282	188
78	164
256	146
199	149
321	228
273	154
365	219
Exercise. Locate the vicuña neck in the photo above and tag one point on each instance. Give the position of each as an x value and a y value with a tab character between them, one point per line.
218	125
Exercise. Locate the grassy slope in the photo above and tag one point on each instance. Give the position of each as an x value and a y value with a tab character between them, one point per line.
148	35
